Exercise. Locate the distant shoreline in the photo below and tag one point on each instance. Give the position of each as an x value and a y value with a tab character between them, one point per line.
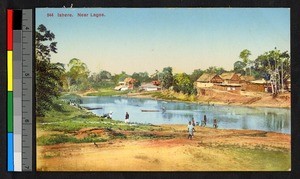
201	102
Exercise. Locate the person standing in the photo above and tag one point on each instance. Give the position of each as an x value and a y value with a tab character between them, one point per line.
215	125
190	130
126	117
193	122
204	121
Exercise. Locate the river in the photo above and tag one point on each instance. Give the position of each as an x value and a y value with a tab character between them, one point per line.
228	117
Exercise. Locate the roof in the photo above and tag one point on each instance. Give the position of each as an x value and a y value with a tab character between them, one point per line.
227	75
247	78
206	77
262	81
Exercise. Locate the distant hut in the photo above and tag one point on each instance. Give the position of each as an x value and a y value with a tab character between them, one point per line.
230	77
150	87
129	82
257	86
245	80
207	81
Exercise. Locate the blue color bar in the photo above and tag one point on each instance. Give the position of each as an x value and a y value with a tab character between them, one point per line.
10	152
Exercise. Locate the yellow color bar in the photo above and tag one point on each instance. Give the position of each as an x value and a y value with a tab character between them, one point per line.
9	71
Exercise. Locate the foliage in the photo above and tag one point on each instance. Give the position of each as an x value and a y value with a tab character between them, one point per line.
272	60
214	69
182	83
196	74
48	75
239	66
244	55
119	77
141	77
77	75
167	77
101	80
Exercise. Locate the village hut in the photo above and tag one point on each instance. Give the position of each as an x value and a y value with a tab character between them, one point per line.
206	81
257	86
230	77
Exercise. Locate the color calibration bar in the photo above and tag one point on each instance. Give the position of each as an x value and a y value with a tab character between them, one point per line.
19	90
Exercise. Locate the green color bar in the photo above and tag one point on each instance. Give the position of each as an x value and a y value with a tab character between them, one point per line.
10	111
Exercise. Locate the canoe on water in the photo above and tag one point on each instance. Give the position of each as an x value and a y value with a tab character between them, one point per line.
149	110
91	108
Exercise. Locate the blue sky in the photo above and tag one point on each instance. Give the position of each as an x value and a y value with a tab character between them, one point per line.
138	40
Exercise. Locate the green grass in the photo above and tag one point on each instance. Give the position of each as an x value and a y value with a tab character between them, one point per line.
258	157
172	95
63	138
69	120
107	92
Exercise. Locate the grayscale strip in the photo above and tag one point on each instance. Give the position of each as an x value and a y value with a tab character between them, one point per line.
17	98
27	92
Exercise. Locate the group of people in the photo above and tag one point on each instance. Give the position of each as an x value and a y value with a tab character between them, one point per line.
109	116
192	124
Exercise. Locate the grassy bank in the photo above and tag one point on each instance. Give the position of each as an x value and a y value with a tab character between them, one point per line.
68	121
107	92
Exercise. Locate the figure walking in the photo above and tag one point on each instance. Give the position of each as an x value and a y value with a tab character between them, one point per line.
126	117
190	130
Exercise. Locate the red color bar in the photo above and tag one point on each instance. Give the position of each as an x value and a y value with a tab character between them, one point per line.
10	29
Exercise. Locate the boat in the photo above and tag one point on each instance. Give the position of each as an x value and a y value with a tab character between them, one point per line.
92	108
149	110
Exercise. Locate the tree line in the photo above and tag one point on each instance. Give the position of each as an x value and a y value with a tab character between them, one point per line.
54	78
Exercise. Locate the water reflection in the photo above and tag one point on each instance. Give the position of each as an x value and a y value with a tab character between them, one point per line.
228	117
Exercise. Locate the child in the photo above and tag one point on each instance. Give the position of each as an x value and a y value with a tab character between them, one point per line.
190	130
215	125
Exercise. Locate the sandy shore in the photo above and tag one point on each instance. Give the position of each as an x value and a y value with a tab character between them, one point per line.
210	150
247	99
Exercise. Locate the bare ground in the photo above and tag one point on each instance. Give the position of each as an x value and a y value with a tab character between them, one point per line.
210	150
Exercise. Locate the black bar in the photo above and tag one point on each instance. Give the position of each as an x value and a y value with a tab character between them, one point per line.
17	20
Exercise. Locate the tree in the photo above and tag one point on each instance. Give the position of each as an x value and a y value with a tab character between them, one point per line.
182	83
214	69
78	74
239	66
48	75
274	65
166	77
119	77
244	55
140	78
196	74
104	75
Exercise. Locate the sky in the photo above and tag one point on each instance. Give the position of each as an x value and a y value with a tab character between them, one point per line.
149	39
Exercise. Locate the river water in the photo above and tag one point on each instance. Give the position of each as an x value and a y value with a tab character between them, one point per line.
228	117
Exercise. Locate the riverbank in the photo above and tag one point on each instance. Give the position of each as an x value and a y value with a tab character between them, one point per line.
210	150
217	97
247	99
71	139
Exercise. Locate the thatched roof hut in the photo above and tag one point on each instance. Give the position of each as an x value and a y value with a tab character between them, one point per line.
230	77
209	78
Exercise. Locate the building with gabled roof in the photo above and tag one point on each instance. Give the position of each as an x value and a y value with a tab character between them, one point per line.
230	77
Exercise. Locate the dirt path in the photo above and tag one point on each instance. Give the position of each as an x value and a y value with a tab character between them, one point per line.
210	150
